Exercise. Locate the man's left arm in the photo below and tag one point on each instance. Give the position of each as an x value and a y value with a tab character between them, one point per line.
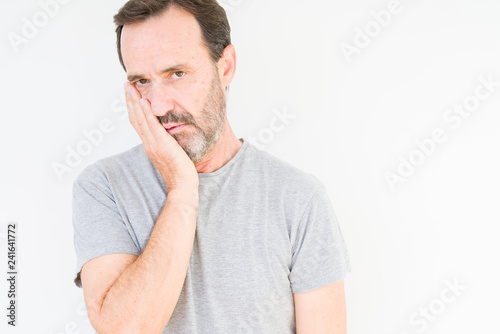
321	310
319	265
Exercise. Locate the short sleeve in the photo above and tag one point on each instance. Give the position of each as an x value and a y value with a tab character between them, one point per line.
319	253
98	226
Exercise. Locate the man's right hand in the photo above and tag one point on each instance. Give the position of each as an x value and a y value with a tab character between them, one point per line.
174	165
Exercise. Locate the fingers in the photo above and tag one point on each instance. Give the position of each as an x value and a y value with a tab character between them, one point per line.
136	114
153	134
131	116
169	158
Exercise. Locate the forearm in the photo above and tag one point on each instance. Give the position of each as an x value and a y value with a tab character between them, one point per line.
143	298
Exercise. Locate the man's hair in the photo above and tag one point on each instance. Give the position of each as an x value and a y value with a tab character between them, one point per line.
210	15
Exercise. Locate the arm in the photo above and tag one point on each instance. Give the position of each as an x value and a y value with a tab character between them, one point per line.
321	310
129	294
143	297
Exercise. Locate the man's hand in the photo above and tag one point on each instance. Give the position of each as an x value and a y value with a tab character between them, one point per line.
174	165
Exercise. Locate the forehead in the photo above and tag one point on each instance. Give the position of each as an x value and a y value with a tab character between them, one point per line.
166	40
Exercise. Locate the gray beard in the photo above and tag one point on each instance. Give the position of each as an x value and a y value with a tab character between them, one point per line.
209	127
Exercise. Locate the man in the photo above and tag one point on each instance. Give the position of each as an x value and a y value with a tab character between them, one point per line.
195	230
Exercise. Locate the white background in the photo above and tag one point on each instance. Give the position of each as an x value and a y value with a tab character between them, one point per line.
355	118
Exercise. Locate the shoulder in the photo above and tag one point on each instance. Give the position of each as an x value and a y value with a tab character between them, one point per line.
116	166
282	175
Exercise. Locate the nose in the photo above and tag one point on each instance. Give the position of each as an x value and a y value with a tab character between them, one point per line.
161	98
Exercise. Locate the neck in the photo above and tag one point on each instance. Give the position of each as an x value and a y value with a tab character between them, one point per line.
223	151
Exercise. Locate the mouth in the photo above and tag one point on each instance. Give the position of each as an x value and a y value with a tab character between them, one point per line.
173	128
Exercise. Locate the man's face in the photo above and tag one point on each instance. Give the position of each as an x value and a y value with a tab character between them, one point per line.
168	63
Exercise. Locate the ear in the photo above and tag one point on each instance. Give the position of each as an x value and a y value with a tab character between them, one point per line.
227	65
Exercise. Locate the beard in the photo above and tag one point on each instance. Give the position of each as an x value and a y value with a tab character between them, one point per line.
207	127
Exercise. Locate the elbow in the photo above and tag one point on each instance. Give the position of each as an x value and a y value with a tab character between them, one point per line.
127	320
110	326
119	325
106	323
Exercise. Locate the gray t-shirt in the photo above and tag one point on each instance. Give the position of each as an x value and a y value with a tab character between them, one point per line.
265	230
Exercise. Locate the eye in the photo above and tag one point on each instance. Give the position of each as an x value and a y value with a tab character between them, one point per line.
178	74
141	82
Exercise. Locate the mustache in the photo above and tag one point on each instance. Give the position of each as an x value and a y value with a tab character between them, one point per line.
175	117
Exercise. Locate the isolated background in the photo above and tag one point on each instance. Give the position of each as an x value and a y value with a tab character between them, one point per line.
355	118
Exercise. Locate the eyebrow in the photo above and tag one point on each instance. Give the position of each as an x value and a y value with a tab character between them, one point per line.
174	68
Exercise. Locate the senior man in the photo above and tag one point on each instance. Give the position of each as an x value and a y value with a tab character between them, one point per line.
195	230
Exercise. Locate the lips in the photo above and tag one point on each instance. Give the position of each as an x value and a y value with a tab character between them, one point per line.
174	128
171	125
